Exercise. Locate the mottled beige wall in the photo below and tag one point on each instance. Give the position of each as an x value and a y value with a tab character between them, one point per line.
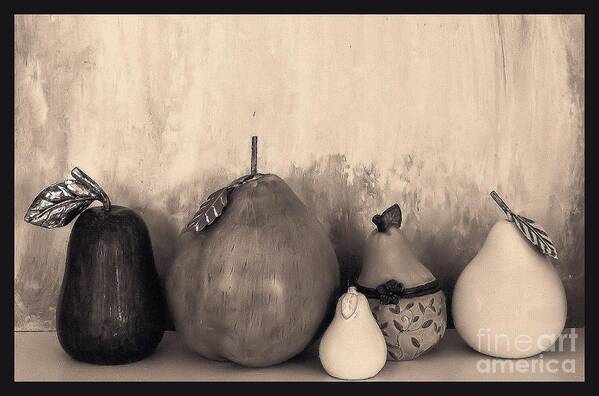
355	112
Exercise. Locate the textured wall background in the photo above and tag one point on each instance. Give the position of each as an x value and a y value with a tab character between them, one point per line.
355	112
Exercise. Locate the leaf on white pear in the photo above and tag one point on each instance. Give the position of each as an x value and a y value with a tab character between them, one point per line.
531	230
535	234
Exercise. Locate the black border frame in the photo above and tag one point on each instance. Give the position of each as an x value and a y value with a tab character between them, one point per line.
331	7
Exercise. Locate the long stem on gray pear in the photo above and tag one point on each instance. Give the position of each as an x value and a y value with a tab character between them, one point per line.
254	166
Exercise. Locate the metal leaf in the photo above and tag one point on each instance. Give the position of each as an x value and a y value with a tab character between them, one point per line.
531	230
392	215
215	204
535	234
58	204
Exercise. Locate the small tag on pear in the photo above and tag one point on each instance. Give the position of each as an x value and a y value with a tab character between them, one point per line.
349	304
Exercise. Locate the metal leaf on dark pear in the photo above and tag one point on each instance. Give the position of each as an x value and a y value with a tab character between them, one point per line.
531	230
215	204
58	204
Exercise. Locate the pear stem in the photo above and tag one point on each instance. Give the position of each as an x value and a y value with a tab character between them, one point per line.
380	224
501	204
81	177
254	165
390	217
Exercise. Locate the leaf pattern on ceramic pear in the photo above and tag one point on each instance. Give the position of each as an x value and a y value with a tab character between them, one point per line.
415	342
427	323
406	321
397	325
395	355
394	308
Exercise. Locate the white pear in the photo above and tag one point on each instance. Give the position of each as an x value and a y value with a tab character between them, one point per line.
509	301
353	346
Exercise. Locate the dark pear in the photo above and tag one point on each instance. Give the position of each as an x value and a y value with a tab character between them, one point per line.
111	308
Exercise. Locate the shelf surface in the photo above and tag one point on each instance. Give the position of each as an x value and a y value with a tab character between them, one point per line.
39	357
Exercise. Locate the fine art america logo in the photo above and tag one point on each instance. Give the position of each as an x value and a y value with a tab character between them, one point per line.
537	364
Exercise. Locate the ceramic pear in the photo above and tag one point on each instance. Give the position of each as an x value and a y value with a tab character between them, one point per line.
509	301
353	347
405	297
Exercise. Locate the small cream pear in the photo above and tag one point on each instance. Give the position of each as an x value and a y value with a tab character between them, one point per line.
509	301
353	347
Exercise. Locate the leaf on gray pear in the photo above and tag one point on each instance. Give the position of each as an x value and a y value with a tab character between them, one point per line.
384	325
416	319
215	204
415	342
410	305
427	323
422	309
58	204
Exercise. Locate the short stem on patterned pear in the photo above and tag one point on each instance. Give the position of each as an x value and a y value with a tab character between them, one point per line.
380	224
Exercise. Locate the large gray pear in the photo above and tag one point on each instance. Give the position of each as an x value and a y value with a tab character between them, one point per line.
255	286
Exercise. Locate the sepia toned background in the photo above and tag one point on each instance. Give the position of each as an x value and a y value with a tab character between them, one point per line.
354	112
